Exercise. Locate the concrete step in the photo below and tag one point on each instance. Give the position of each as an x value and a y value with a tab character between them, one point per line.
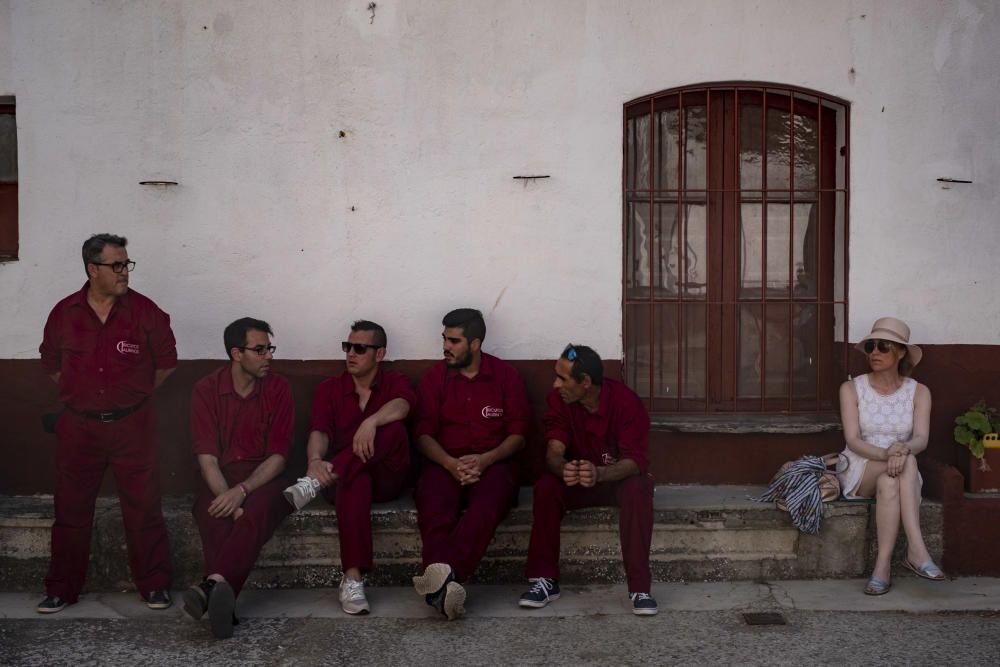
700	533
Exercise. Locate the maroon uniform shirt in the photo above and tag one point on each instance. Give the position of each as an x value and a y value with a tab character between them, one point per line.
233	428
618	430
111	365
336	412
472	416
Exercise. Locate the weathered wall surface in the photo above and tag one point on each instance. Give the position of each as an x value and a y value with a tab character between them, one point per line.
414	210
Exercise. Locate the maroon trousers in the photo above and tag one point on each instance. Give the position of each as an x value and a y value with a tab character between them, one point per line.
231	546
360	483
634	498
461	541
86	448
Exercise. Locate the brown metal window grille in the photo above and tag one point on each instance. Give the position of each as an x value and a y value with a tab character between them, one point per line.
735	262
8	179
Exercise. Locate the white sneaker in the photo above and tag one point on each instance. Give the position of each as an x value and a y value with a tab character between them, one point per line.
352	596
302	492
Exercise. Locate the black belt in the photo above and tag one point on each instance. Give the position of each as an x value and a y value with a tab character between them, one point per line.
107	416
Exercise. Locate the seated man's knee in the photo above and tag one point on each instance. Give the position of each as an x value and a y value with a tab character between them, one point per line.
393	433
547	486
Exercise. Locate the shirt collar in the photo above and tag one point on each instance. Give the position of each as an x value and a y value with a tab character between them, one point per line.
347	381
226	385
487	367
80	298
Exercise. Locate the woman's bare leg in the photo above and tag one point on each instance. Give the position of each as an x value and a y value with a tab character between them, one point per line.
909	506
876	482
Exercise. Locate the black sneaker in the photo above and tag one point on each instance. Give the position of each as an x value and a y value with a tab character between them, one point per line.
159	600
222	610
643	604
542	592
196	598
51	605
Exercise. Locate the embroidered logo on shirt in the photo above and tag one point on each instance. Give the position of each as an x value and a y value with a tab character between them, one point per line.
607	459
489	412
126	347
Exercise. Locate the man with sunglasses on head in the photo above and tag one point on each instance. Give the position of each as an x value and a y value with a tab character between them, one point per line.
358	451
474	413
107	347
598	443
242	418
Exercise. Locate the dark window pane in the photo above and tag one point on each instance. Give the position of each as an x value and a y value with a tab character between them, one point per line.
637	353
748	351
806	144
665	350
751	250
665	249
777	349
778	141
804	247
778	280
751	133
8	148
695	350
804	351
696	148
637	141
668	150
637	251
695	252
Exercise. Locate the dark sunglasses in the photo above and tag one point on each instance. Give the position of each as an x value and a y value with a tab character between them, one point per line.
260	350
569	352
882	345
359	348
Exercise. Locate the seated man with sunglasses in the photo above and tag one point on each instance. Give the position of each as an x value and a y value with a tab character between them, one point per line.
358	451
242	419
598	444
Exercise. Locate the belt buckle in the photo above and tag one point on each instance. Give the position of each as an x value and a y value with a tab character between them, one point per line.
106	417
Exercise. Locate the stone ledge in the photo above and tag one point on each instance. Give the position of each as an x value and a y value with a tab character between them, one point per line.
740	424
699	533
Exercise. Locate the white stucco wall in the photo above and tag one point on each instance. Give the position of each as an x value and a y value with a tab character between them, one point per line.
442	103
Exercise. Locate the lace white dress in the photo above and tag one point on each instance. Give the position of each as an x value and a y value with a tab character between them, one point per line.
883	420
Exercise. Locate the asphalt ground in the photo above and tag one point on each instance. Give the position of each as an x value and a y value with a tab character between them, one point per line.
955	622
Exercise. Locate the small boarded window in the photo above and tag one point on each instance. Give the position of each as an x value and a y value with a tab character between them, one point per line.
8	179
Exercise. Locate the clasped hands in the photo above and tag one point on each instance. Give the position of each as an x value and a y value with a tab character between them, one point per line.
229	503
897	454
581	472
469	468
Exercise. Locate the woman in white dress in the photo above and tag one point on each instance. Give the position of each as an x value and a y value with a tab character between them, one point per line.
886	418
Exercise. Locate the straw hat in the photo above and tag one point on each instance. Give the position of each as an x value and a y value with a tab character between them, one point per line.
889	328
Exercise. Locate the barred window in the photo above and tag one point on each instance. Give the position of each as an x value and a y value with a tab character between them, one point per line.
735	237
8	179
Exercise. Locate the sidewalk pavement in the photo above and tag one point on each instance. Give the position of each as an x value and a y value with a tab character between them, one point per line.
908	594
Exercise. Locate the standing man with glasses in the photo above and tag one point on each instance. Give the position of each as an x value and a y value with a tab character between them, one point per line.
598	444
358	451
107	347
242	419
474	413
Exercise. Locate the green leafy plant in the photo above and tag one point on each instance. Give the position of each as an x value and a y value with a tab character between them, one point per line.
971	426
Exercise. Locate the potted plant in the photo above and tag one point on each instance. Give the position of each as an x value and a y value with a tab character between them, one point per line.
977	429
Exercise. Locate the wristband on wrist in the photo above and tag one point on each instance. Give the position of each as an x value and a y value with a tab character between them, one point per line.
243	488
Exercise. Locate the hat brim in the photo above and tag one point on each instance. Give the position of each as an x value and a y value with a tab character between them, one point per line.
914	353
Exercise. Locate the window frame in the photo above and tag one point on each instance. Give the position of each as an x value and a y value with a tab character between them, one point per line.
724	193
9	195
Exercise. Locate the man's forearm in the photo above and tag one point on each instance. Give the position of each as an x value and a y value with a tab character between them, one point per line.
617	471
555	457
317	446
433	450
392	411
268	469
510	445
212	474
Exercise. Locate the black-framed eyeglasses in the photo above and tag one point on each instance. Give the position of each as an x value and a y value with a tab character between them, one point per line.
260	350
883	346
359	348
569	352
118	267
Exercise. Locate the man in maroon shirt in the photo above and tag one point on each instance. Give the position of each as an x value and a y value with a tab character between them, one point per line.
358	451
473	416
242	418
107	348
598	443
